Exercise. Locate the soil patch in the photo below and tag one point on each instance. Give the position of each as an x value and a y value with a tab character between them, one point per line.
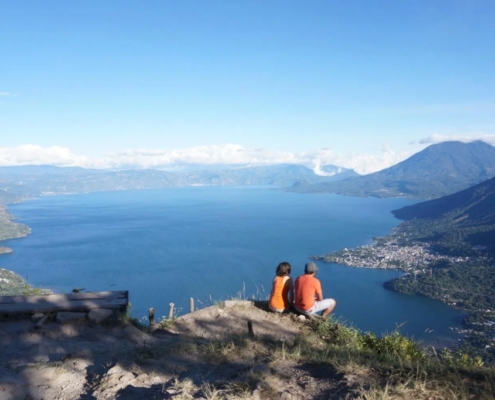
208	354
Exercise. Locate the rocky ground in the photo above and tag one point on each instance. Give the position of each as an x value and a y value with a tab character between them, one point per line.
207	354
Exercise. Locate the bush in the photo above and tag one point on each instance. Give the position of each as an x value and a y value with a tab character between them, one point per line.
394	345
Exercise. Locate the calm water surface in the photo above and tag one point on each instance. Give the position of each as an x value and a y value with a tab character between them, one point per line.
210	243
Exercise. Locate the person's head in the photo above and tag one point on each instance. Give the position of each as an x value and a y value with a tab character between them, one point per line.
283	269
310	268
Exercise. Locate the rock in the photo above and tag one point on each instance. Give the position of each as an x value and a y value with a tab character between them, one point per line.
37	316
301	318
286	396
239	303
99	315
65	317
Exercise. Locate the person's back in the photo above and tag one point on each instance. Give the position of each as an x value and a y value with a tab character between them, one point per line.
281	294
308	296
305	289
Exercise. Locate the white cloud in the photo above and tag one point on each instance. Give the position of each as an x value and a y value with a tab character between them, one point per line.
206	155
4	94
438	138
362	163
31	154
216	154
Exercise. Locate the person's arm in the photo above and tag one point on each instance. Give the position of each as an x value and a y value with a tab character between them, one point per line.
319	292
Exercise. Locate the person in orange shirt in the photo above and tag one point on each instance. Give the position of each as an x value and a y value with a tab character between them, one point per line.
282	290
308	296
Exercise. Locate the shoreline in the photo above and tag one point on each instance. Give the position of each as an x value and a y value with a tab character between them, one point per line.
12	284
421	265
5	250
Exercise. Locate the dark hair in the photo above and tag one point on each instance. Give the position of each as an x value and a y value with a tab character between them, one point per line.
283	269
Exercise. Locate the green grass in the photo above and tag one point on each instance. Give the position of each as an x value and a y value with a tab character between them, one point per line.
393	365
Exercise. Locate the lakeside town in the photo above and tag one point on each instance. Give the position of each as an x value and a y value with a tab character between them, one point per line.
423	268
388	252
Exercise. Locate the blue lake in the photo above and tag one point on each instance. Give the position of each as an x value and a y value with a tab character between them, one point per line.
211	243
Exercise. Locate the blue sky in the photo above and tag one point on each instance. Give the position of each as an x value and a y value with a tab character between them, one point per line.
362	83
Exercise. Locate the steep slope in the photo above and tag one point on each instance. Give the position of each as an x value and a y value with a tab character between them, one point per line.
464	217
475	205
438	170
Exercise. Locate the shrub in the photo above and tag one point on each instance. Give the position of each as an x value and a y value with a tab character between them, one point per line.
393	344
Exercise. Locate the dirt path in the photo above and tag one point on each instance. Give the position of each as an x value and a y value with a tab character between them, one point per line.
210	355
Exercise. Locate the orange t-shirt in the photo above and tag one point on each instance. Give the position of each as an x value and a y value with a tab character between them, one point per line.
305	289
279	298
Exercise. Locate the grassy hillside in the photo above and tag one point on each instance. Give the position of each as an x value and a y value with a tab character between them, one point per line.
9	229
463	218
215	358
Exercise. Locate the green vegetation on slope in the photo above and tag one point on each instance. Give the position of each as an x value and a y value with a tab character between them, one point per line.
447	250
12	284
461	220
367	366
9	229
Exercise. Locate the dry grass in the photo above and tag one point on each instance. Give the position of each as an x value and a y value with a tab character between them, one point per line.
389	367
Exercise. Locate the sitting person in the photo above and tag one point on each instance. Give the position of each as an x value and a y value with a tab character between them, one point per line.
308	296
281	295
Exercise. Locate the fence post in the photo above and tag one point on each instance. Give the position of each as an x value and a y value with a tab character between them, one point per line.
171	310
250	328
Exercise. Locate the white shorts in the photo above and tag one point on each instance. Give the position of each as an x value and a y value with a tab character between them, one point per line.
319	306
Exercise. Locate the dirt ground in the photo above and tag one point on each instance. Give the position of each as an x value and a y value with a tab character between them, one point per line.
85	361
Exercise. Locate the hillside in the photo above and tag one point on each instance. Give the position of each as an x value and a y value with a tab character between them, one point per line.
9	229
475	205
438	170
209	355
468	215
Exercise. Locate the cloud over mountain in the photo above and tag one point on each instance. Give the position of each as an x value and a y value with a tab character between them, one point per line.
438	138
31	154
362	163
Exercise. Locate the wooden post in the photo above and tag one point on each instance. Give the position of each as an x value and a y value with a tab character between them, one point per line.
250	328
191	304
171	310
151	316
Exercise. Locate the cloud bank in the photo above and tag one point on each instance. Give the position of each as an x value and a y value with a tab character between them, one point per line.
203	155
437	138
36	155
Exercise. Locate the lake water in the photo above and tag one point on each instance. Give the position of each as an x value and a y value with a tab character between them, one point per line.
211	243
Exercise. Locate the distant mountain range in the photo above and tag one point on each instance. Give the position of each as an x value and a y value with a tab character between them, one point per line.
17	183
438	170
468	215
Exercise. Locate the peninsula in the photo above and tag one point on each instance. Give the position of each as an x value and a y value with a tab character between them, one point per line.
446	249
396	251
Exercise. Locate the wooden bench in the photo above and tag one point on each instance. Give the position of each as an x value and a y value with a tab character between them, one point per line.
64	302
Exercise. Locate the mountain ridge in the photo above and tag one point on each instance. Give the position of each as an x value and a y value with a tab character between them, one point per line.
440	169
466	216
21	182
